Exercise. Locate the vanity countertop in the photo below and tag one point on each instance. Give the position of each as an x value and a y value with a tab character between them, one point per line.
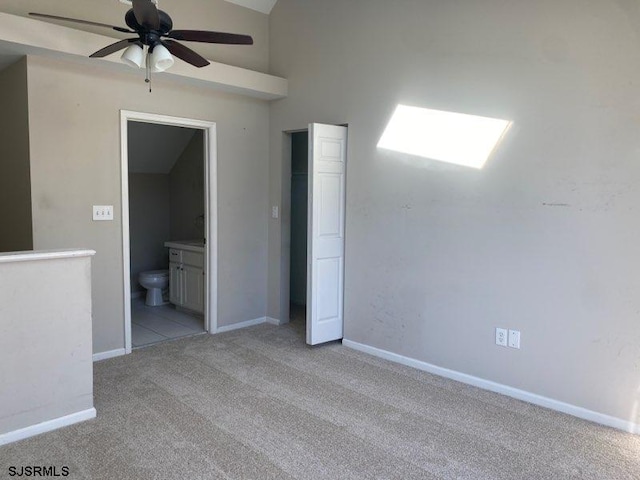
188	245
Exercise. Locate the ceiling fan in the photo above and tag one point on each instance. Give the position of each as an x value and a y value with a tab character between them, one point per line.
154	30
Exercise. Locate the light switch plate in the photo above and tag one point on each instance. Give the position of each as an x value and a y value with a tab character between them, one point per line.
102	212
275	212
514	338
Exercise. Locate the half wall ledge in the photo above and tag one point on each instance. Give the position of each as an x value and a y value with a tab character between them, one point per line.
33	255
46	363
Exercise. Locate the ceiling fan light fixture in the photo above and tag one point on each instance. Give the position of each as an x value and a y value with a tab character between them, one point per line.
156	42
133	56
161	59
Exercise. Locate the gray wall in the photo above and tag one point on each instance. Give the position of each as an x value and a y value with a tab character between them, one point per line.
149	222
15	183
74	115
543	239
187	191
46	365
299	196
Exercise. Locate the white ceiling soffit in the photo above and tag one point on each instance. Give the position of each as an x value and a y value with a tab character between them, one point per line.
156	148
264	6
25	36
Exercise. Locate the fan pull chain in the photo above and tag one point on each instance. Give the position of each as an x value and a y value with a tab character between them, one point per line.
148	66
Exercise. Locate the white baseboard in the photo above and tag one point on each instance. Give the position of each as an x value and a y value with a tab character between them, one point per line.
518	394
236	326
274	321
110	354
47	426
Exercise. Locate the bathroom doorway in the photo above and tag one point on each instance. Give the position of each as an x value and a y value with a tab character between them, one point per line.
169	218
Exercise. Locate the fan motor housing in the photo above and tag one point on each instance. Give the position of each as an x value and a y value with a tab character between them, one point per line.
166	24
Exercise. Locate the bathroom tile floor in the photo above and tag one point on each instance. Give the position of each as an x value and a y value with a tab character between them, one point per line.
151	325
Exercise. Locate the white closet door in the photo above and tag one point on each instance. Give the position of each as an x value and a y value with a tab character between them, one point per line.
325	245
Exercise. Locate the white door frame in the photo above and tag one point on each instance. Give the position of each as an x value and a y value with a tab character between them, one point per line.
211	212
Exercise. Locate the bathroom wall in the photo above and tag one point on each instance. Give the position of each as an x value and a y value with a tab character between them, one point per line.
149	220
186	181
15	182
299	194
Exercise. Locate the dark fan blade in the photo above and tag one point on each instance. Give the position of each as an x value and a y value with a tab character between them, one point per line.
85	22
185	53
114	47
146	14
210	37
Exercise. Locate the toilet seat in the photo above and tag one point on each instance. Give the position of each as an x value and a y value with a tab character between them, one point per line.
155	273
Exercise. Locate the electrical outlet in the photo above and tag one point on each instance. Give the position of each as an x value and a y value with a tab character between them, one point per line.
501	337
275	212
514	338
102	212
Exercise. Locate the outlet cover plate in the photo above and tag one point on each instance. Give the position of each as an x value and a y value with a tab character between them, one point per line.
501	337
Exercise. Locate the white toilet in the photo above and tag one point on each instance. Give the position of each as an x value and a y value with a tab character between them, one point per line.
155	281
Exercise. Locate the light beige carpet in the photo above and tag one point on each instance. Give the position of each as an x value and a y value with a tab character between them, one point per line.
260	404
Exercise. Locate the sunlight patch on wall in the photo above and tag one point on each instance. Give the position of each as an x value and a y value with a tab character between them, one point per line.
450	137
